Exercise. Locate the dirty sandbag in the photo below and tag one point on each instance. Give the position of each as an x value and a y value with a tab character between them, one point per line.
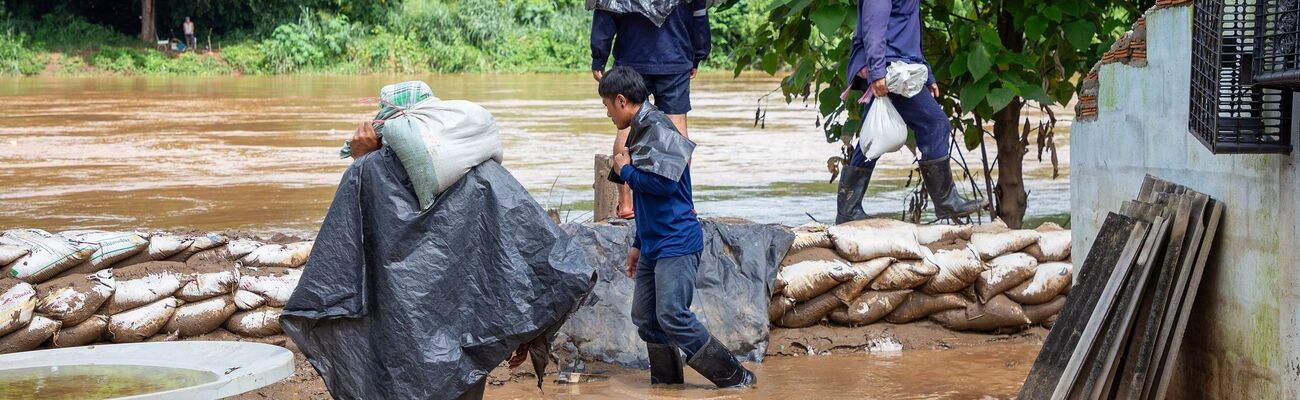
17	304
81	334
246	300
778	307
199	243
1049	280
49	254
864	273
920	305
29	337
811	254
10	252
275	284
145	283
1004	273
992	245
874	238
72	299
493	270
163	245
999	313
257	323
225	255
809	313
113	246
140	323
883	130
940	233
868	308
1040	313
1053	244
808	279
957	270
208	281
908	274
290	255
906	79
198	318
809	235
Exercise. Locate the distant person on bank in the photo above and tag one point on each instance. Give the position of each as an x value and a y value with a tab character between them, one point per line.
188	27
665	253
890	31
666	56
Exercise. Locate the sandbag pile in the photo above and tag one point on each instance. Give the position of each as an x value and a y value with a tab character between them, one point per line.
965	278
81	287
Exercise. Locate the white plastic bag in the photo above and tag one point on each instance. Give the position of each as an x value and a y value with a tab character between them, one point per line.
906	79
883	131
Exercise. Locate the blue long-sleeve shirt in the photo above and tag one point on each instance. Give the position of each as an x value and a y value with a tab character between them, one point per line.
676	47
888	30
666	225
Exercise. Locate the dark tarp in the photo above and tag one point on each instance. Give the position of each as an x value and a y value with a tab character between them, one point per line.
395	303
737	270
656	10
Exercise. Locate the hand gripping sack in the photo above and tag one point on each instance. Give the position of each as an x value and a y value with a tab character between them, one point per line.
883	131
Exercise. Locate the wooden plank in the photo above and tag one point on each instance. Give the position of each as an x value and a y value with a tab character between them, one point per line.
1146	333
1178	275
1189	298
1108	247
1105	302
605	204
1100	364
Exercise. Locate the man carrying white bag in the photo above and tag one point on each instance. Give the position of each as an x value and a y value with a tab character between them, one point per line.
890	32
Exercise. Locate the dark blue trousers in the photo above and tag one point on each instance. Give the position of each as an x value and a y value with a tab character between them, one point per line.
661	303
925	117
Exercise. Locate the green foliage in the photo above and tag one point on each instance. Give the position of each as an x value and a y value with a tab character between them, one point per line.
150	62
16	58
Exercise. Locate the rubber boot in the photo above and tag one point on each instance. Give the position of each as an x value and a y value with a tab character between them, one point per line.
665	364
943	192
717	365
853	186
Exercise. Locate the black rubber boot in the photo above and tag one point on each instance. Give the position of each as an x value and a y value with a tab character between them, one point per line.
665	364
853	186
720	367
943	192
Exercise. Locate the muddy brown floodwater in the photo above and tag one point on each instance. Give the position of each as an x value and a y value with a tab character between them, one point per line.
260	153
985	372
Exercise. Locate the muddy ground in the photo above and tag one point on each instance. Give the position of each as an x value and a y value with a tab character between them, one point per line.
914	361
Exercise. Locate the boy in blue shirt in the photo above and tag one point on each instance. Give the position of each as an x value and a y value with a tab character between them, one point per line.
666	252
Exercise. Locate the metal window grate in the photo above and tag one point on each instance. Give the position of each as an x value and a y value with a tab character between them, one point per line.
1277	63
1229	114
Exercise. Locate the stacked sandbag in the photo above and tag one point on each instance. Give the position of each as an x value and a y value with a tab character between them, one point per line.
141	287
976	278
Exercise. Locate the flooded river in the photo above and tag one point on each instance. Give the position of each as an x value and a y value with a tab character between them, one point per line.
260	153
986	372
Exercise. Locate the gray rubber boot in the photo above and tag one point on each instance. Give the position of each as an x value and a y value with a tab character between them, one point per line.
853	186
665	364
943	192
717	364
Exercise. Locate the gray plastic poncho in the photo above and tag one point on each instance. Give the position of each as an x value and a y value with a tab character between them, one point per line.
656	10
655	146
398	303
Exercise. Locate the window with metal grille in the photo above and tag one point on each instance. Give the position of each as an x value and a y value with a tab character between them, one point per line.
1230	113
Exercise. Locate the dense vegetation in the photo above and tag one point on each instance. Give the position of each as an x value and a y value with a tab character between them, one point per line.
319	36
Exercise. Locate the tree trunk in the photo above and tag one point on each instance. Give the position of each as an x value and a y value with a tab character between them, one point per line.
1011	152
147	29
1011	155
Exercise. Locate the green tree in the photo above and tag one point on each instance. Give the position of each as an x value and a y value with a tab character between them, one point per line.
995	56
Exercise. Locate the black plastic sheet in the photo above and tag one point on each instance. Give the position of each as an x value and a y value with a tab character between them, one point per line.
733	285
395	303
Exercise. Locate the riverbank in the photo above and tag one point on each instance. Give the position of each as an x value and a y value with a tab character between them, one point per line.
901	364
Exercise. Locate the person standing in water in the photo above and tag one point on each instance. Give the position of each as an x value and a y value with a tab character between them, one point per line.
890	30
665	253
666	56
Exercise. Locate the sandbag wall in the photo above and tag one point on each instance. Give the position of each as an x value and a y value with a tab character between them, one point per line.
81	287
965	278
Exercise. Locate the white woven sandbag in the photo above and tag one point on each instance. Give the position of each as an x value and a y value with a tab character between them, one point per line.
438	141
808	279
810	235
992	245
275	287
49	254
291	255
16	306
142	322
1049	280
113	246
875	238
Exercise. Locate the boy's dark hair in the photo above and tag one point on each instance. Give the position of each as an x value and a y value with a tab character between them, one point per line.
624	81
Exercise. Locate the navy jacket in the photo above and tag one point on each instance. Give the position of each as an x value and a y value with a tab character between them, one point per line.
888	30
679	45
666	225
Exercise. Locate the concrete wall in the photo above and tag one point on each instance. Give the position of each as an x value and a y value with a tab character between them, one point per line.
1242	340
